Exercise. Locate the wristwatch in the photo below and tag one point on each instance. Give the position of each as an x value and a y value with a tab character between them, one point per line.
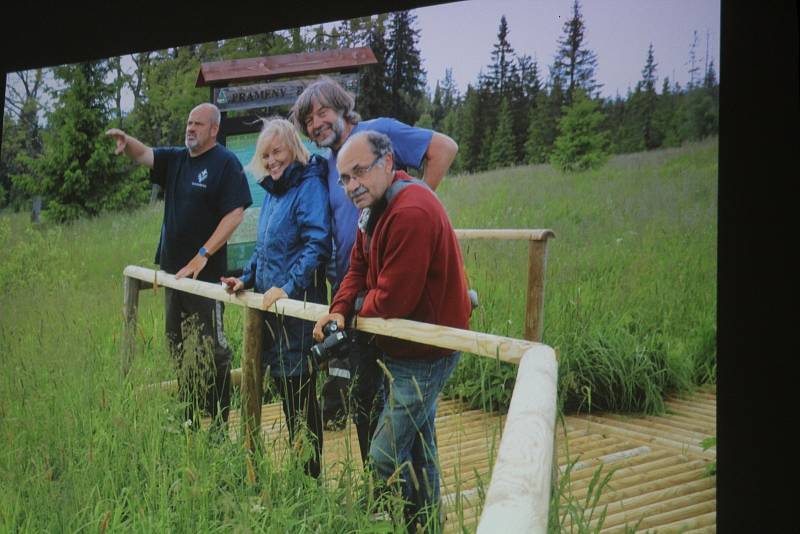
204	252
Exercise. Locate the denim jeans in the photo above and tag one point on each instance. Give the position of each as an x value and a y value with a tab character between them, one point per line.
406	432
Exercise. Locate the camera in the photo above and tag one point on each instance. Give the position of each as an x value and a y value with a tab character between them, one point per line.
333	345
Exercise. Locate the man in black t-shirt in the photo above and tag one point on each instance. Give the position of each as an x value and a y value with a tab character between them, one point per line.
205	195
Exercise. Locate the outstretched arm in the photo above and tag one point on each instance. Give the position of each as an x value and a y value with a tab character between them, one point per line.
441	152
220	236
132	147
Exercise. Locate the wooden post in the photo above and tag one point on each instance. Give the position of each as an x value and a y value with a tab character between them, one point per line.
130	310
252	378
534	304
36	208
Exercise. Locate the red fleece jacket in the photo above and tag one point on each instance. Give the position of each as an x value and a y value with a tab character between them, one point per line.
412	270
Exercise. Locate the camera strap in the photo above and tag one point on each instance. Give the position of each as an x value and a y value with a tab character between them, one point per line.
368	217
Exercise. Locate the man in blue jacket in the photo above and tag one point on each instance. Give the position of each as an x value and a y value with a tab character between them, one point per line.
205	195
325	112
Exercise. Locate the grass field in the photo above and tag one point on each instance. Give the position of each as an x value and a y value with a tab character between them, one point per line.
630	306
630	291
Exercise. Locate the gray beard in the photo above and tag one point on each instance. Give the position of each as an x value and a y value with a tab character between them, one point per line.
337	129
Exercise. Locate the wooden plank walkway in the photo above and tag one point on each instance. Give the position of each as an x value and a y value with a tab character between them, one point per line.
658	464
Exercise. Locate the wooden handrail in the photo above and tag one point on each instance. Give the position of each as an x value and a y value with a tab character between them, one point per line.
506	349
518	499
504	233
519	491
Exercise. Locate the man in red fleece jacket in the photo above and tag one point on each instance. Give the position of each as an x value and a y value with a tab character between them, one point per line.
407	263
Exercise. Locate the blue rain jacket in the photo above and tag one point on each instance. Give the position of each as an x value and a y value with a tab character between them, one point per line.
293	246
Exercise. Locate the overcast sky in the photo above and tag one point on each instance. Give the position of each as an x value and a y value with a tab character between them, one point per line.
461	35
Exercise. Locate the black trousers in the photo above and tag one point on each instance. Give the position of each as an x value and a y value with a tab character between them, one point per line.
299	399
200	352
355	387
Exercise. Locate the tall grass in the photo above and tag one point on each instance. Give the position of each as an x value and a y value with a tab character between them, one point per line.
630	291
629	304
83	449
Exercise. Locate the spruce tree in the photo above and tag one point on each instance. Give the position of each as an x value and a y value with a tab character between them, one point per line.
374	99
450	123
664	118
503	152
523	98
470	140
535	143
580	144
437	108
77	172
647	88
404	67
450	96
529	77
445	99
614	112
489	106
544	117
574	63
502	68
630	135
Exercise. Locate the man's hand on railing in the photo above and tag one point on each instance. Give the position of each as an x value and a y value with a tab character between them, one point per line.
192	268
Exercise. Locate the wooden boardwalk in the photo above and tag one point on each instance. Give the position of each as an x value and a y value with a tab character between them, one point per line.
657	462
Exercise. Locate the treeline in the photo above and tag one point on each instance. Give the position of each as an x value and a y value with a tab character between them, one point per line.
54	119
514	115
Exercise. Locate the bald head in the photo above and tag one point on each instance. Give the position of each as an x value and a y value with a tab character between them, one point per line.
202	127
365	165
211	110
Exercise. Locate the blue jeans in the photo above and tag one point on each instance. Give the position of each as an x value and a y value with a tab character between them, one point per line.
406	432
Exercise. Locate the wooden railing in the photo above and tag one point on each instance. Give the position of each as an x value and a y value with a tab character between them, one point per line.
519	491
537	267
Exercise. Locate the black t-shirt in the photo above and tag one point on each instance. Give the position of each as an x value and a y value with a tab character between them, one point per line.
198	193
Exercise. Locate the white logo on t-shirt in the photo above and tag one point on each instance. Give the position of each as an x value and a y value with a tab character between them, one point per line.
201	177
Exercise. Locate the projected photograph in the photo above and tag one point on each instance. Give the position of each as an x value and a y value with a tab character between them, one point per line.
465	280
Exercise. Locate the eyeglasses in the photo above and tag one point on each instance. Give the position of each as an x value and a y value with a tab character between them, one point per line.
358	172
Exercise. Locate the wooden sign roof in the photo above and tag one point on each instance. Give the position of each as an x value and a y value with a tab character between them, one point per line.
269	67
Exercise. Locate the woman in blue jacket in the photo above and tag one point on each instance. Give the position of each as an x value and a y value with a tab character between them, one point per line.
293	246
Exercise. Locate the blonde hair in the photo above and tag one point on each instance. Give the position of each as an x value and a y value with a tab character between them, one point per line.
284	130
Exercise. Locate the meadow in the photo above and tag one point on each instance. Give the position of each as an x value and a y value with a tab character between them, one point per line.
630	306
